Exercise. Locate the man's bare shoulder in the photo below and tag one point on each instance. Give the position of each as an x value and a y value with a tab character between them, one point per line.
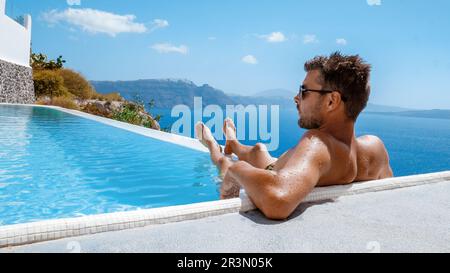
372	148
371	144
317	135
315	139
315	146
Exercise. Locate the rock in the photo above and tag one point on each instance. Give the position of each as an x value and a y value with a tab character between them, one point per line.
100	105
116	105
110	108
16	82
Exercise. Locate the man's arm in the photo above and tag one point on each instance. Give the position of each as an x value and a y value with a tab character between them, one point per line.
278	193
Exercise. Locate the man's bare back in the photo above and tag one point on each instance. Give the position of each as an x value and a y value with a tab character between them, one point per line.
364	159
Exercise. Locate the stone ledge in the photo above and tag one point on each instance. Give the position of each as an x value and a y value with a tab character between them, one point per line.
16	83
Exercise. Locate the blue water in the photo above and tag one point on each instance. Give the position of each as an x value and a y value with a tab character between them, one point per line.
55	165
415	145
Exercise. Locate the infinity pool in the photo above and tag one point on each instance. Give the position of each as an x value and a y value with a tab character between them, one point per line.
54	165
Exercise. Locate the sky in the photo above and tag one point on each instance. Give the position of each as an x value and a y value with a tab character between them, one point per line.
248	46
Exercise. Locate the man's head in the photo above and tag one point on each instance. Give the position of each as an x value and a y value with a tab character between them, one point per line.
334	85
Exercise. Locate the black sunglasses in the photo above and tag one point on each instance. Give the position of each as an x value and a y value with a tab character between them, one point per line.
303	90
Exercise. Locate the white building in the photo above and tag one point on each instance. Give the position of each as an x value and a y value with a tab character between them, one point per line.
15	39
16	82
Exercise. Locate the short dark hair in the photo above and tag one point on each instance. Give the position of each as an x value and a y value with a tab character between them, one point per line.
348	74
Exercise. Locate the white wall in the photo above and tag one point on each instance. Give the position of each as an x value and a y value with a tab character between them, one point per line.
15	39
2	6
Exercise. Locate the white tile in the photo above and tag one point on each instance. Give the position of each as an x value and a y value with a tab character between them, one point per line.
38	237
22	239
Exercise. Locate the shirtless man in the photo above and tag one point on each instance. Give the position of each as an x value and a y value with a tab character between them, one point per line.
335	90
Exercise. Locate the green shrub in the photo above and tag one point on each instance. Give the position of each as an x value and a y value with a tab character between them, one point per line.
39	61
148	123
76	84
129	113
49	83
134	113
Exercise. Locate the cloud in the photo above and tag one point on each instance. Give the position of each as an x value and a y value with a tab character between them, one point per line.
249	59
73	2
274	37
310	39
169	48
341	41
96	21
159	23
374	2
212	38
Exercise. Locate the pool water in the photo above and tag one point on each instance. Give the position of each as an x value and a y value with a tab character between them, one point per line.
54	165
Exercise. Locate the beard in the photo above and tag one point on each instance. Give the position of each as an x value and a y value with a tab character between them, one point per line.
310	123
314	121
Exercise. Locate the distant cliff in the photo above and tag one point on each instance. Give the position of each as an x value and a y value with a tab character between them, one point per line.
167	93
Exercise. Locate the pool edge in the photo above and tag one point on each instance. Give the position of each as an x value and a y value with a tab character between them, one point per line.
28	233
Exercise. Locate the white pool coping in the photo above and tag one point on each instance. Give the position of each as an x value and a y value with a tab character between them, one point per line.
19	234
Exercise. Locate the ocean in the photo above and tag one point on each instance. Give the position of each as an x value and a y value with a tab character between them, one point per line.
415	145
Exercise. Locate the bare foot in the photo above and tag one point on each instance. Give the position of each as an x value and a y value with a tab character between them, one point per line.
204	135
229	130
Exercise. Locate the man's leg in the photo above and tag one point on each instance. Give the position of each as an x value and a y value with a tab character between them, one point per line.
203	133
257	155
228	188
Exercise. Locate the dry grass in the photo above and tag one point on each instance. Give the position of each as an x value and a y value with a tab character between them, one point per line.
94	110
64	102
49	83
76	84
114	96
